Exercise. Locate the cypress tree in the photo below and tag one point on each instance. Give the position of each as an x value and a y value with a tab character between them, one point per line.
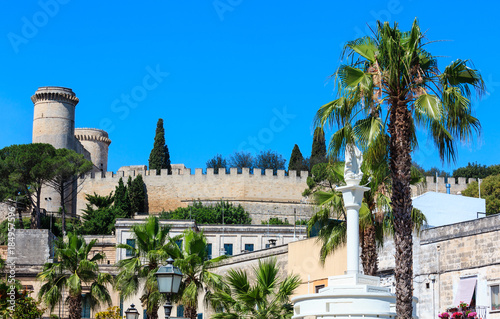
122	201
296	160
318	152
159	158
137	195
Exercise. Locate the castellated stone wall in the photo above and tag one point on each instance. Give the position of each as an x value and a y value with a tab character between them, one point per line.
279	194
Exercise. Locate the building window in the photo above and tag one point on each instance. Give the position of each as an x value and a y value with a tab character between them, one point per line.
495	297
249	247
85	306
200	316
129	252
209	251
145	314
180	311
268	245
318	287
229	249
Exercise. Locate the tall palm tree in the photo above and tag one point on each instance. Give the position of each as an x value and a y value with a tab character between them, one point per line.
263	296
391	86
192	259
375	217
138	271
72	271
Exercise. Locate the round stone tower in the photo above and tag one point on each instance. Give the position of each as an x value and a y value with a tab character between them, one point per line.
54	116
96	142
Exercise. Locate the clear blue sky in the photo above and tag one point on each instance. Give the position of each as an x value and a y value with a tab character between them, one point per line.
220	73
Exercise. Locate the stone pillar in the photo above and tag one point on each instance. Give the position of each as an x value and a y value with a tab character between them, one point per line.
353	196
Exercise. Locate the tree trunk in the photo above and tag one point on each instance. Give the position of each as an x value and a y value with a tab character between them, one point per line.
190	312
154	312
63	213
369	252
400	130
75	307
21	224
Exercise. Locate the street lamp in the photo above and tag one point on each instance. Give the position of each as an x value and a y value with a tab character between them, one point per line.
131	313
169	281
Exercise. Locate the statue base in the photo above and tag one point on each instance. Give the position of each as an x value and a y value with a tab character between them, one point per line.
349	296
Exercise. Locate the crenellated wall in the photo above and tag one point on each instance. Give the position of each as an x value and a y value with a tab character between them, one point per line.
264	195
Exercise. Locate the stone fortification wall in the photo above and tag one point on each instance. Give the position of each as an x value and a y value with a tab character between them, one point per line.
276	193
457	185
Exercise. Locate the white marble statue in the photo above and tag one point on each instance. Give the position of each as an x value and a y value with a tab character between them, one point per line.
352	168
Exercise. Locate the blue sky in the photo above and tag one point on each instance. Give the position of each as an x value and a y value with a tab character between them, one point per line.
225	75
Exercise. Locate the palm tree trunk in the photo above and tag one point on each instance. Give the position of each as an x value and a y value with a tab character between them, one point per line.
190	312
154	312
63	213
369	251
400	130
75	307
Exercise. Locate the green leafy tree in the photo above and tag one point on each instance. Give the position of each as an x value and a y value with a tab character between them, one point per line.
265	297
192	259
241	160
137	272
270	160
73	270
67	166
318	152
490	191
100	215
472	170
27	167
217	162
211	214
296	162
159	158
137	195
391	86
121	199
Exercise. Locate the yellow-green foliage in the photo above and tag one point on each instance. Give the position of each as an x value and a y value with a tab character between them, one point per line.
111	313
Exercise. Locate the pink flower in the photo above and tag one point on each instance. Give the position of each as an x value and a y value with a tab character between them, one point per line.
444	315
472	314
457	315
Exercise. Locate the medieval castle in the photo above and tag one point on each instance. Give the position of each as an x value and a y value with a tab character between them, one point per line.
263	195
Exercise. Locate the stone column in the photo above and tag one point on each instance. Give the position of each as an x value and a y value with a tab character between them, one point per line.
353	196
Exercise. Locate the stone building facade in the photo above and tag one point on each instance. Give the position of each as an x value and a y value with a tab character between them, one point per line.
444	257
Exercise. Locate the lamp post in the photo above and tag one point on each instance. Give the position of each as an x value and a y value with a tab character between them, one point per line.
131	313
169	281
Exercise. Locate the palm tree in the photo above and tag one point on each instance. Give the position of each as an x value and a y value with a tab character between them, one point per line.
392	86
72	271
138	270
264	296
191	256
375	217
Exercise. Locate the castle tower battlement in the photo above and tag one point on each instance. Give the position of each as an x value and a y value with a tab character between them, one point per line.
97	143
54	116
